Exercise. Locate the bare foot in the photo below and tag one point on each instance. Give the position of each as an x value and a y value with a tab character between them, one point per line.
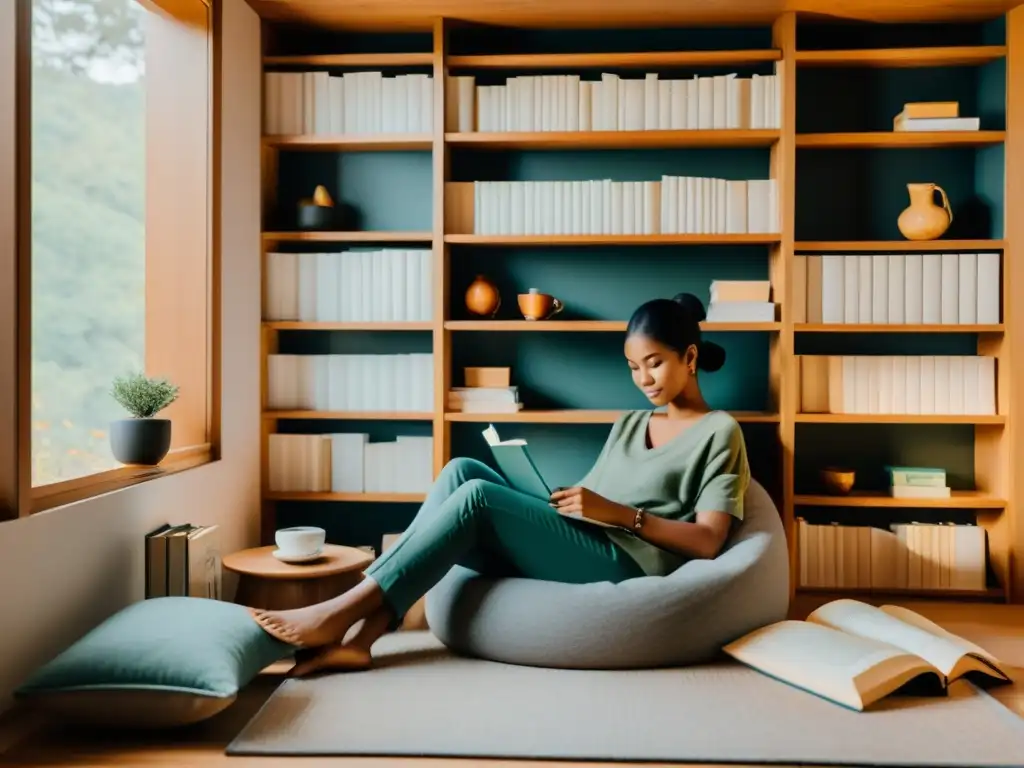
338	657
309	627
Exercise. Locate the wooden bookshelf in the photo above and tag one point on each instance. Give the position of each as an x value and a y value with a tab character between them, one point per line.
298	325
572	416
347	237
584	326
998	443
575	240
385	142
898	246
362	60
899	139
950	56
958	500
664	139
897	418
641	60
350	415
361	498
896	328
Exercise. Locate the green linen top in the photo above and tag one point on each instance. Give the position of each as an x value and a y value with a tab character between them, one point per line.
702	469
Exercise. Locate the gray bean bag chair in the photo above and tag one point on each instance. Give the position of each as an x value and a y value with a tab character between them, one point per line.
651	621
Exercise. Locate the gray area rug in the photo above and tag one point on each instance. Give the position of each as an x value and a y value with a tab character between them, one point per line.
422	701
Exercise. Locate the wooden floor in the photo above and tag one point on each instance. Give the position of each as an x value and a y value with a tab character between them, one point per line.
998	628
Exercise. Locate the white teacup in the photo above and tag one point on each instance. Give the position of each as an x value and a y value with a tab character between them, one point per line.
300	541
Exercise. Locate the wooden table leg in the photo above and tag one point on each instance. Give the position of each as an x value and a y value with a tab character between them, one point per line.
282	594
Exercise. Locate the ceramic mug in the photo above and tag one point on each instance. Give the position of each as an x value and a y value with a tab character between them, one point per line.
539	306
300	541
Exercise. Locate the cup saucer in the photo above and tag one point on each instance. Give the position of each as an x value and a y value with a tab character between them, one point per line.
294	559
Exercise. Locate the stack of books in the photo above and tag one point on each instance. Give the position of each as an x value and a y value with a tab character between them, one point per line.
741	301
487	390
934	116
917	483
183	561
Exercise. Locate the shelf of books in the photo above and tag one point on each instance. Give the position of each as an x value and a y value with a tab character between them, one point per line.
411	197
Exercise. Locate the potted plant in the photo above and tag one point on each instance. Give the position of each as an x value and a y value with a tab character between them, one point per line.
142	439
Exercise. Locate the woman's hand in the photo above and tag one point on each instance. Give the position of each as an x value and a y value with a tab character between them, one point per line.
582	502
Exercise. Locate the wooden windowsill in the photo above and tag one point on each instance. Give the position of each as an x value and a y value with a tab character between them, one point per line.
53	495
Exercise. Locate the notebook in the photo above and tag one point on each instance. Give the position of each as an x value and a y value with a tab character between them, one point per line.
517	466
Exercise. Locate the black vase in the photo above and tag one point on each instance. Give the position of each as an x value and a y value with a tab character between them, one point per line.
140	441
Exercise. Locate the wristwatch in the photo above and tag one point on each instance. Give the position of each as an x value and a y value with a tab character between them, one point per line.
638	519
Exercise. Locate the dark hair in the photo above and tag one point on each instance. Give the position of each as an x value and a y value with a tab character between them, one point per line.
675	323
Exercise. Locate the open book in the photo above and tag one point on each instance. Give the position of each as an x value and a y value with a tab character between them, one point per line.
854	654
517	466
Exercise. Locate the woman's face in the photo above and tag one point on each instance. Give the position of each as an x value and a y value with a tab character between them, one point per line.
659	372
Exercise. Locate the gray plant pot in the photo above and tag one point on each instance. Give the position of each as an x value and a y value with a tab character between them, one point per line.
140	441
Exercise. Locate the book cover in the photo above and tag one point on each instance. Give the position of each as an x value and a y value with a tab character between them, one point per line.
521	472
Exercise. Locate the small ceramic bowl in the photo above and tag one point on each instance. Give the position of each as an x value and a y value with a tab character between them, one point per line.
838	480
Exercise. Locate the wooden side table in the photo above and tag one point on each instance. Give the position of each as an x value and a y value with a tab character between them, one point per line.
266	582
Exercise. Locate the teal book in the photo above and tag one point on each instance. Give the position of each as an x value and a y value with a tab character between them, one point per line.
517	466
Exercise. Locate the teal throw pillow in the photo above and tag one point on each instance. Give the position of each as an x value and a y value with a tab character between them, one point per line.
159	662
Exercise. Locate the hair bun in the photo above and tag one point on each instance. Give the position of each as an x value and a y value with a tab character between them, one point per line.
693	306
710	356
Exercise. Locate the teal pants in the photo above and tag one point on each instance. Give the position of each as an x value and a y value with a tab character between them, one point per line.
471	517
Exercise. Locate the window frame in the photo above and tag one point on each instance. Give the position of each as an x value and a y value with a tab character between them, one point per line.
200	409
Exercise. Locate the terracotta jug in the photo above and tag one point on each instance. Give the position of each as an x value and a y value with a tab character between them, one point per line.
482	297
923	219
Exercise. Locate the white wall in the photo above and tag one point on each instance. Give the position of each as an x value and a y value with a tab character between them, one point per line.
64	571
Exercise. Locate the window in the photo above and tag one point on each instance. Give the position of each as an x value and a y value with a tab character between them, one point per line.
116	230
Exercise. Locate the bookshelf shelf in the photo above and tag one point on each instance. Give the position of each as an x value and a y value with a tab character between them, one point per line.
296	325
895	328
571	240
592	326
945	56
383	142
896	418
899	139
992	594
369	60
653	60
570	416
348	237
416	191
376	498
664	139
958	500
350	415
898	246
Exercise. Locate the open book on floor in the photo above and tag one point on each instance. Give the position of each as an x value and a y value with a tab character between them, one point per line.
517	466
854	654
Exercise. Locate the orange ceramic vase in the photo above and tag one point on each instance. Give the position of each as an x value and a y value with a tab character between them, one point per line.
923	219
482	297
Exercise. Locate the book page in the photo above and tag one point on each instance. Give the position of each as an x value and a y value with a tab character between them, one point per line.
848	669
963	645
857	618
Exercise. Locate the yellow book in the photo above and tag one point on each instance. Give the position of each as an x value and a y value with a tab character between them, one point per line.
854	654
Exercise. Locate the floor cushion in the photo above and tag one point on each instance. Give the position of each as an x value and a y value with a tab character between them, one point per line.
164	662
683	618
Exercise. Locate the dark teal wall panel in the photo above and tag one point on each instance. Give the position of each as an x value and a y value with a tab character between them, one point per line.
869	447
353	342
868	98
840	34
601	283
589	370
618	165
390	191
848	194
494	40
